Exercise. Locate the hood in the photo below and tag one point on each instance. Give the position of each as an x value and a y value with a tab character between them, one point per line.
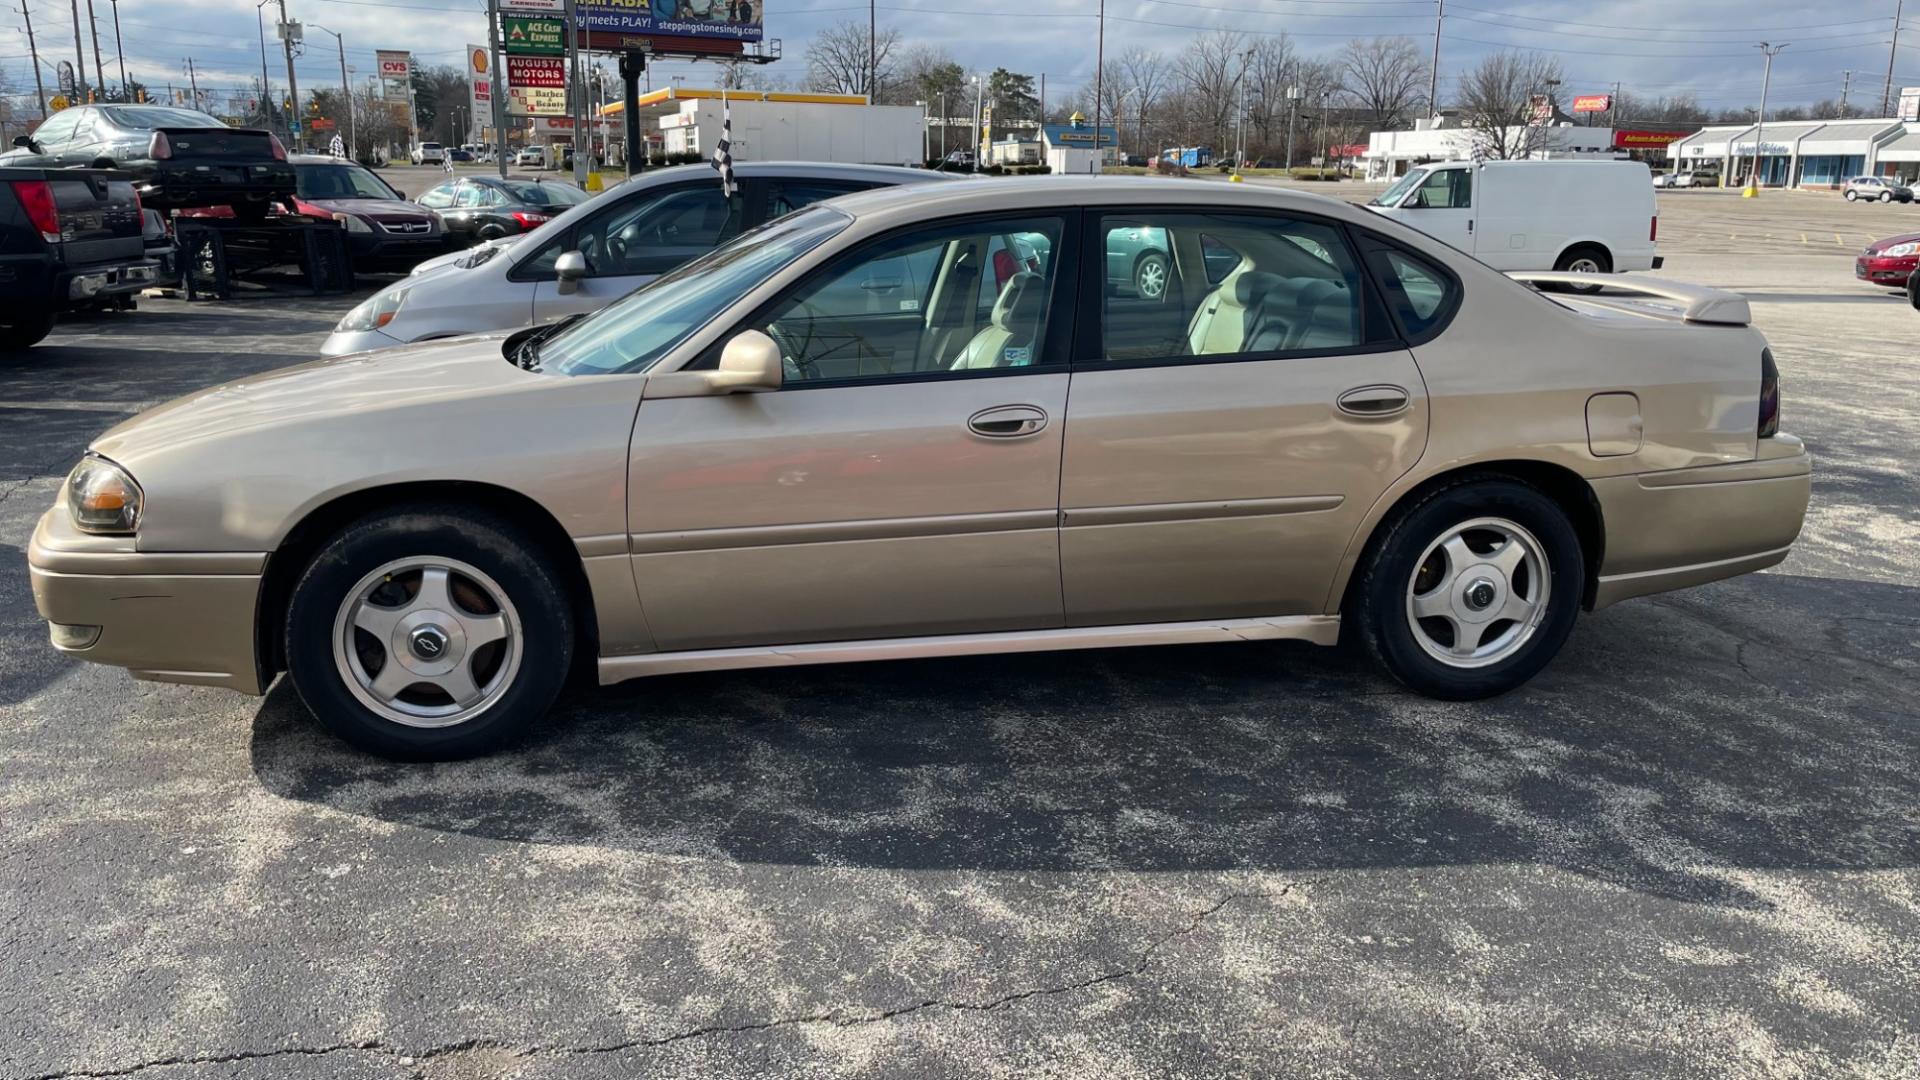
1879	246
373	208
441	262
403	377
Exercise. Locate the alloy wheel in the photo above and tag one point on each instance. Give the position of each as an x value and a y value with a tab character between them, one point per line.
427	642
1478	593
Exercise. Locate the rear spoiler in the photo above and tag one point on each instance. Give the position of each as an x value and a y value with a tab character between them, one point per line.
1700	304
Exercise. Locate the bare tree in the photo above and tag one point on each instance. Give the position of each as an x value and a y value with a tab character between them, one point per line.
1498	104
1386	76
837	59
1211	69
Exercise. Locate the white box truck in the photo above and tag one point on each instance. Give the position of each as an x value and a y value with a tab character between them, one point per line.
1580	216
801	131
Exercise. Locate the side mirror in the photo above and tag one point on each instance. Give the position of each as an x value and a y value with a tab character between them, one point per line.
750	363
568	269
398	194
25	142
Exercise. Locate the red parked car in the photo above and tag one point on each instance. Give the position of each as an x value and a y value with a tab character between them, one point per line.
1889	262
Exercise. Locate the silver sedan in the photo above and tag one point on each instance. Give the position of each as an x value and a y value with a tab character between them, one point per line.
597	252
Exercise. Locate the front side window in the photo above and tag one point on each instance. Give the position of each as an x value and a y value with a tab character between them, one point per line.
635	332
984	289
1393	195
655	233
1215	285
1445	189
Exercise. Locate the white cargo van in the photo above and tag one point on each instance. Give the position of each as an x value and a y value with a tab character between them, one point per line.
1584	216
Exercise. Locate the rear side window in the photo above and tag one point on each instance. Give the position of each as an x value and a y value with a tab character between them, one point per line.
1421	295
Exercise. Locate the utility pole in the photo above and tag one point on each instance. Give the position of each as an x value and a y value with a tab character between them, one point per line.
500	92
1294	94
1760	121
1433	74
80	58
346	91
1886	98
266	84
193	80
99	75
1099	65
1846	87
576	93
293	88
33	49
943	126
126	94
979	110
873	54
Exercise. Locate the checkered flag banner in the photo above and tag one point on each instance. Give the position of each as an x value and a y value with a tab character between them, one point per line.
338	147
723	150
446	162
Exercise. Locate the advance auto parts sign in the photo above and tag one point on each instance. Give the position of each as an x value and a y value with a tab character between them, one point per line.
537	86
521	36
733	20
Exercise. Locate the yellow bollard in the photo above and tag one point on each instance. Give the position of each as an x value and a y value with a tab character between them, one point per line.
593	182
1751	191
1234	179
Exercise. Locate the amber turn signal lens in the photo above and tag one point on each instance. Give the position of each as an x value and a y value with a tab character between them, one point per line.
102	498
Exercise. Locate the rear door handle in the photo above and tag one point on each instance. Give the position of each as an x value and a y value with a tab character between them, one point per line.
1007	421
1374	401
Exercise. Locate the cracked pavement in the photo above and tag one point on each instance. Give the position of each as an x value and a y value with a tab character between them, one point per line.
1688	849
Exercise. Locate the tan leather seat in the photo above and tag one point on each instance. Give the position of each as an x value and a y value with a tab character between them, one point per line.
1008	338
1227	314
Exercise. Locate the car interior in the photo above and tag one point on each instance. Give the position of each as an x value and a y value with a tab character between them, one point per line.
978	297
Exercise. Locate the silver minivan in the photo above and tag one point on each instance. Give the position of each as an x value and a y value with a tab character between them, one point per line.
596	252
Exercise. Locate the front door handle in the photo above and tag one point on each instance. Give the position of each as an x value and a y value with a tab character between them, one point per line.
1007	421
1373	402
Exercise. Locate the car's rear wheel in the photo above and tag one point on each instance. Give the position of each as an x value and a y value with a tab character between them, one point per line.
1150	276
1584	259
1886	196
1471	591
490	232
436	633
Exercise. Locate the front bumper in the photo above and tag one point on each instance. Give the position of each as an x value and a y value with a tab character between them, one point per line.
1685	527
382	245
1881	270
185	617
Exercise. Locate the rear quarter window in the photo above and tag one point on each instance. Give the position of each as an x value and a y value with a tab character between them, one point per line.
1421	295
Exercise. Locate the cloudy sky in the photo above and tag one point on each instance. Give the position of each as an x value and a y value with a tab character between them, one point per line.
1654	47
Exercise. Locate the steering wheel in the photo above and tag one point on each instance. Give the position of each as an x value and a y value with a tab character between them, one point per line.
617	249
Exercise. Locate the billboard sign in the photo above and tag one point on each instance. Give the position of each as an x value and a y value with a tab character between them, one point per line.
544	7
1593	103
1910	104
1646	140
1539	110
395	66
522	35
733	20
537	85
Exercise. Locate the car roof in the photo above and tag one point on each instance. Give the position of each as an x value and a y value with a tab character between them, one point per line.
1021	192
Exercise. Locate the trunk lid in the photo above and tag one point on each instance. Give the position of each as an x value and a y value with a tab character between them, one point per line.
98	213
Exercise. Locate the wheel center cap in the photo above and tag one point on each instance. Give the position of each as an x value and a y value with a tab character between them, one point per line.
1480	595
428	642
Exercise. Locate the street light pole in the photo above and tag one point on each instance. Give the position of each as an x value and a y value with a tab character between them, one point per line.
1760	122
120	53
293	88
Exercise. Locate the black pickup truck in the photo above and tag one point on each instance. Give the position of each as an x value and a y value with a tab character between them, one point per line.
68	237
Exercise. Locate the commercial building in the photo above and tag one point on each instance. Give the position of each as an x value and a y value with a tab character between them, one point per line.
1392	153
1819	154
1072	148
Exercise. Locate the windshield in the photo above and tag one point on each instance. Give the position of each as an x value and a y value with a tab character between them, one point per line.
633	333
159	116
540	194
1393	195
339	182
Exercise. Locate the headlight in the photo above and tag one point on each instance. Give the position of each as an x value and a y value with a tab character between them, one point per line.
102	498
1901	249
377	311
352	223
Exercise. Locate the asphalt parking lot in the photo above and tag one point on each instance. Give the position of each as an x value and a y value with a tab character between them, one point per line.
1691	848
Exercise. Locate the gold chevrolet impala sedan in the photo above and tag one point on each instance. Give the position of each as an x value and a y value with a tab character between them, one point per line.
939	420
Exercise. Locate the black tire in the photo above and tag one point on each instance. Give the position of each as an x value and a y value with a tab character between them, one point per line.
489	232
21	329
1852	195
1584	255
1886	196
1378	611
1147	269
485	542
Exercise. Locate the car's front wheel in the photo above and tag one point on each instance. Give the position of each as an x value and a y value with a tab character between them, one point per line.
434	633
1470	591
1852	195
1886	196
